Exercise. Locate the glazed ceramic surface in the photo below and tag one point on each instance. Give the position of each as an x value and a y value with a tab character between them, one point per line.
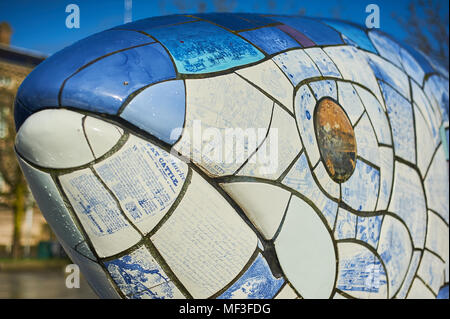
357	205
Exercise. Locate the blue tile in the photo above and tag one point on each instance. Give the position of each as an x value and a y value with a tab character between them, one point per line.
354	33
318	32
228	20
201	47
402	123
158	109
271	40
368	229
256	283
103	86
423	62
443	293
155	22
41	88
21	113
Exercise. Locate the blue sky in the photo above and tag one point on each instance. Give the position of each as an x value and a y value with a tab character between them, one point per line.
40	25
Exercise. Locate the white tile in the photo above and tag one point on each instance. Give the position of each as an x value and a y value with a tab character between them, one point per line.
386	173
218	106
98	212
145	179
389	73
102	136
419	291
360	274
360	191
304	113
395	249
286	293
366	141
297	65
278	150
306	253
330	186
436	89
205	242
408	202
437	236
264	204
431	271
324	88
424	140
387	48
54	139
427	111
377	115
353	65
411	67
270	78
323	62
350	101
300	179
415	259
52	206
436	185
345	225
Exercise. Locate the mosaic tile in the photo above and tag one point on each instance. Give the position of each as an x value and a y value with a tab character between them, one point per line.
268	163
395	251
386	47
44	137
204	242
360	274
361	189
368	229
264	204
330	186
400	115
318	32
413	265
345	225
310	271
431	271
286	292
426	110
269	78
256	283
145	179
166	104
386	174
212	106
366	141
323	62
325	88
298	36
356	34
424	138
350	101
408	202
411	66
271	40
419	57
98	212
101	135
434	240
418	290
297	65
435	89
216	50
115	77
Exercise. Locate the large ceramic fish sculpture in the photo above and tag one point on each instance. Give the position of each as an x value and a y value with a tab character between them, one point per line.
242	156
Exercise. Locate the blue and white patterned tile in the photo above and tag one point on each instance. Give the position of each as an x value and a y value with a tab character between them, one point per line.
214	105
205	242
145	179
257	282
437	235
300	179
428	113
431	271
435	89
366	141
360	191
101	135
360	274
323	62
264	204
411	66
98	212
412	269
324	88
278	150
350	101
305	104
297	65
139	276
345	225
386	175
268	76
368	229
424	139
377	115
331	187
395	249
311	271
402	123
353	66
271	40
390	74
408	202
436	185
387	48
